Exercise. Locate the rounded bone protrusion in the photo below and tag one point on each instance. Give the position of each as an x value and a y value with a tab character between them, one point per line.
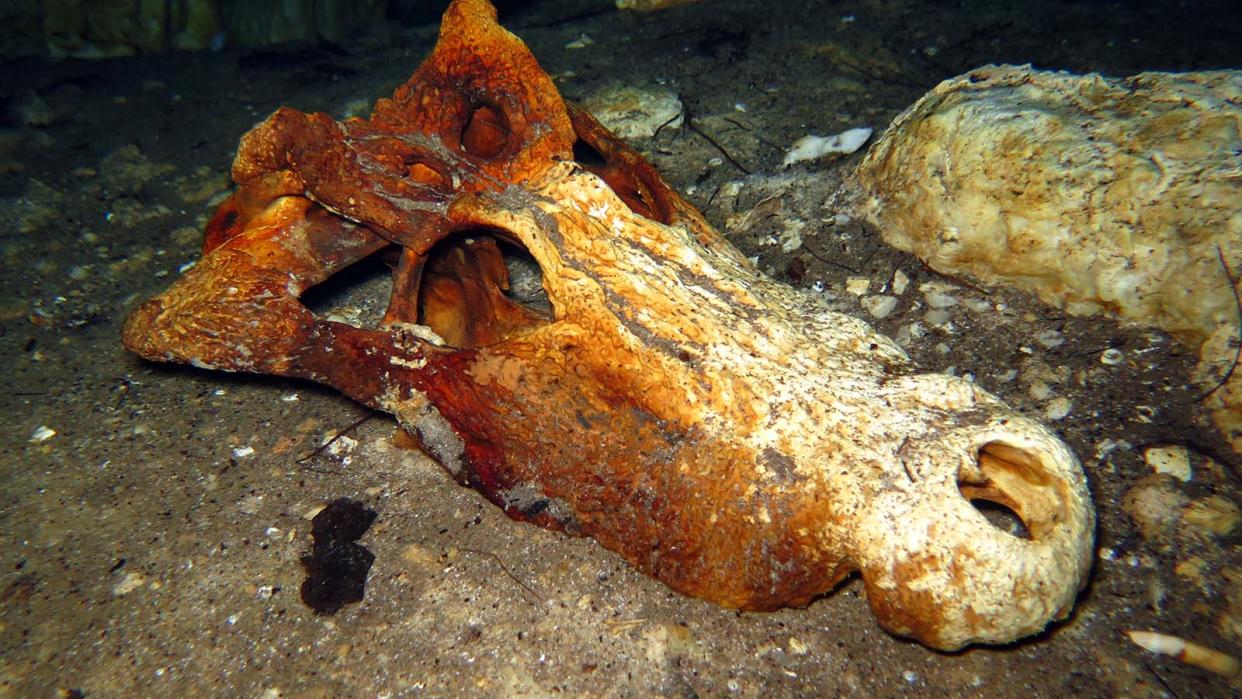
936	569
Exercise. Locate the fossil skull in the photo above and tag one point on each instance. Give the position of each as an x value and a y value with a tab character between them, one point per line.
723	432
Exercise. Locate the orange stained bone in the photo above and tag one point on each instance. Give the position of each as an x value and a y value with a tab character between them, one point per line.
724	433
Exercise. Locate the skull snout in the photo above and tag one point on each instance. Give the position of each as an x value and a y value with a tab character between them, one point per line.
989	540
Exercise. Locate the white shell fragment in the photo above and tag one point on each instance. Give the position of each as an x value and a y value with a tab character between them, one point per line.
1099	195
1186	651
812	147
1173	460
42	433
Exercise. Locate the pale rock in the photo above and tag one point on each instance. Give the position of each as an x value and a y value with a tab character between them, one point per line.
1058	408
1213	514
879	306
635	112
857	285
1119	191
1155	505
900	282
1172	460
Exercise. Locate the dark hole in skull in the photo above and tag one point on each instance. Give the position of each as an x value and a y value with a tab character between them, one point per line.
1001	517
589	158
479	288
358	294
486	132
1011	487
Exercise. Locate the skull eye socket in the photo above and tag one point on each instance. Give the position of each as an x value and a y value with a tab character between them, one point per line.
486	132
479	288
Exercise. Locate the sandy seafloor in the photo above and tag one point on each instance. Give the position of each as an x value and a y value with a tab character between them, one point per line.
152	546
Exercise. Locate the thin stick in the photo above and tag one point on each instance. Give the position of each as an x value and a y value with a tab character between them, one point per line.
505	568
695	128
826	261
319	449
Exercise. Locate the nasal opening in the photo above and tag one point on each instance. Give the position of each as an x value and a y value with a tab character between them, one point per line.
1011	487
479	287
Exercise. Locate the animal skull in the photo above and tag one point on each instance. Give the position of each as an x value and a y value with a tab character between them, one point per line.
723	432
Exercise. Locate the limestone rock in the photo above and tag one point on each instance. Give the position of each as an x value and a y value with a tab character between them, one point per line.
635	112
1121	196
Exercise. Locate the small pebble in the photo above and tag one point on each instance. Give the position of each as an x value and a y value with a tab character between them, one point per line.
242	452
979	305
342	446
880	306
1050	338
1213	514
900	282
131	582
1172	460
1057	408
251	504
937	317
42	433
857	285
937	295
1039	390
1112	357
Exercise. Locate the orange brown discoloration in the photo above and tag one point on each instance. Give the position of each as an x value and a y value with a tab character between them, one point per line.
724	433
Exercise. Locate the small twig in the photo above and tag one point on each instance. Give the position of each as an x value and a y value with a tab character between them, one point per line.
320	449
659	128
1113	343
505	568
812	253
712	198
124	391
695	128
1161	680
1237	300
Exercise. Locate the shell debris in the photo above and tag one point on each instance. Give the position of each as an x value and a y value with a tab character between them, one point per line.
1188	652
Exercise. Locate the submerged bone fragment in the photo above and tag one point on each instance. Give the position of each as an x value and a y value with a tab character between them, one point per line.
1121	196
1188	652
724	433
811	147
